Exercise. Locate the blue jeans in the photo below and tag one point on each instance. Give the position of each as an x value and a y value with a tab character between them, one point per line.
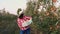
25	31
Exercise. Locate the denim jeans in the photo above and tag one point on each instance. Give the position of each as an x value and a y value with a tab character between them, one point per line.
25	31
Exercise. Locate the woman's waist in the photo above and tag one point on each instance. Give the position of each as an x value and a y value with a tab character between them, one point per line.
24	28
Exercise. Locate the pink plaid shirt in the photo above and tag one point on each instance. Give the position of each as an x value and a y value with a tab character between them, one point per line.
20	21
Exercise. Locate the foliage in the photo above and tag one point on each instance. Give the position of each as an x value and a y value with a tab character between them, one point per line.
8	23
43	22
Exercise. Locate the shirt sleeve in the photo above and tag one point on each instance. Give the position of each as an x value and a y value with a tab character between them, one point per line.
19	22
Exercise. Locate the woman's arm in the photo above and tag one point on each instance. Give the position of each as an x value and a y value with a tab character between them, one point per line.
27	22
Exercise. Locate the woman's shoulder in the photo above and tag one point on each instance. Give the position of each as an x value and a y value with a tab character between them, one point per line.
18	19
28	16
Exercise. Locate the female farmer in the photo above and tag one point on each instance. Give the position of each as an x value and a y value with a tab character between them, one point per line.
23	22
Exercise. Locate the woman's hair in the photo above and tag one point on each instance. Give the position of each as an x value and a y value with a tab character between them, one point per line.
21	16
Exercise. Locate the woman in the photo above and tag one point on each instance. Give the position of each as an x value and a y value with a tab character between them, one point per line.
24	22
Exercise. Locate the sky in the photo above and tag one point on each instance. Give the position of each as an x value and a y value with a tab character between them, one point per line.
12	5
